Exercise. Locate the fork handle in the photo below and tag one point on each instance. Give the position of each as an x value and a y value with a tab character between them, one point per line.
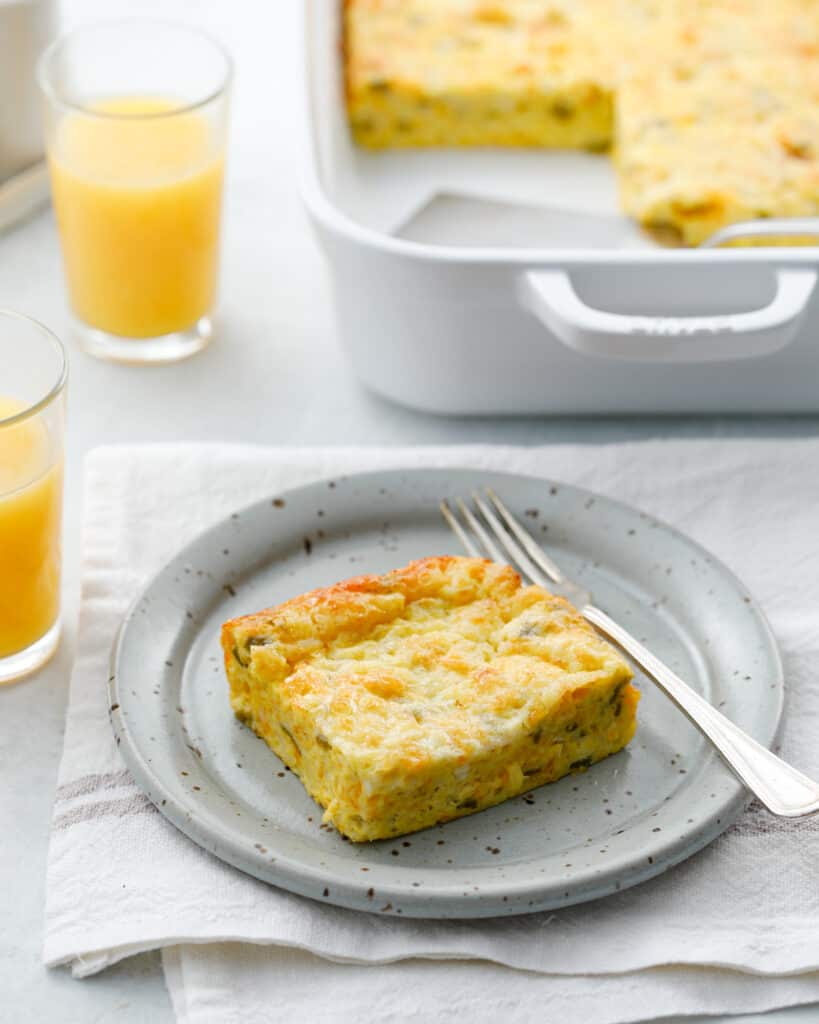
781	788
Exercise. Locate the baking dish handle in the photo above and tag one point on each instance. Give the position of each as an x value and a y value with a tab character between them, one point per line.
550	295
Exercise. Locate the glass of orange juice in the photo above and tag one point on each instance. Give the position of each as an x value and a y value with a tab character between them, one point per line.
33	373
136	127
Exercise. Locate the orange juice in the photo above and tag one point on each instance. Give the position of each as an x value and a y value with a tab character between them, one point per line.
30	508
137	191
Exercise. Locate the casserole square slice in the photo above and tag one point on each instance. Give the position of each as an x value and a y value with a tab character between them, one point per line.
433	691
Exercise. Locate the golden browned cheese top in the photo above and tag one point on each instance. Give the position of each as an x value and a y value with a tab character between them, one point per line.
439	659
460	46
722	124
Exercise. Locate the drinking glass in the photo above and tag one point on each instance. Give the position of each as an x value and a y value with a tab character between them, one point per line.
136	127
33	372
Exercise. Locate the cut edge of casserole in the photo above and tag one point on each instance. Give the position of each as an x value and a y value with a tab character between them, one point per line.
475	73
406	700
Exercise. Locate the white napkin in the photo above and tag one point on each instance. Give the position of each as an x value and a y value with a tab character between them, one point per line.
121	879
215	984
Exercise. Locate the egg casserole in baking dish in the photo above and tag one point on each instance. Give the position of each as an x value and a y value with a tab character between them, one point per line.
428	693
711	106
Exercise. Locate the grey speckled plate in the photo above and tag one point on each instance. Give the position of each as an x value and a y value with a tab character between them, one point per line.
625	820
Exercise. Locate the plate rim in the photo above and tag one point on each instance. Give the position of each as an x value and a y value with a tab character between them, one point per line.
498	899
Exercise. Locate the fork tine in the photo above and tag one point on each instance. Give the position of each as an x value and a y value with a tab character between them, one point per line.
533	549
459	531
477	528
519	557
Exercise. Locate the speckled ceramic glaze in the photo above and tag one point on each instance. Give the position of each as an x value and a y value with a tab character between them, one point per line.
625	820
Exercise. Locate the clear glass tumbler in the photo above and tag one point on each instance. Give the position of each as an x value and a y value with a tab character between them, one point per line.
136	128
33	373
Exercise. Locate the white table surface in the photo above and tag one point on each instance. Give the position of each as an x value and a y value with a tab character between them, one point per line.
274	375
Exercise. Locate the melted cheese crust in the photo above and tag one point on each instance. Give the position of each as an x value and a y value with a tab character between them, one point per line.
712	106
727	127
436	690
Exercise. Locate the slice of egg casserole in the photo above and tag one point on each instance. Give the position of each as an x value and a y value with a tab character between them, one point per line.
434	691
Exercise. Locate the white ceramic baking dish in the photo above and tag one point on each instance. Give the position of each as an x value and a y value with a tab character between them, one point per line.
507	282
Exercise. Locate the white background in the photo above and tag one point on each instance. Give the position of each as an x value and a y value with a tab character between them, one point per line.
273	375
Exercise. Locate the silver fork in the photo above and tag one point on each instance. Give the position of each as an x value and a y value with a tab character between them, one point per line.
782	789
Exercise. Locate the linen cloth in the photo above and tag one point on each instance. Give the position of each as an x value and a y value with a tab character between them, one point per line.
241	984
122	880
